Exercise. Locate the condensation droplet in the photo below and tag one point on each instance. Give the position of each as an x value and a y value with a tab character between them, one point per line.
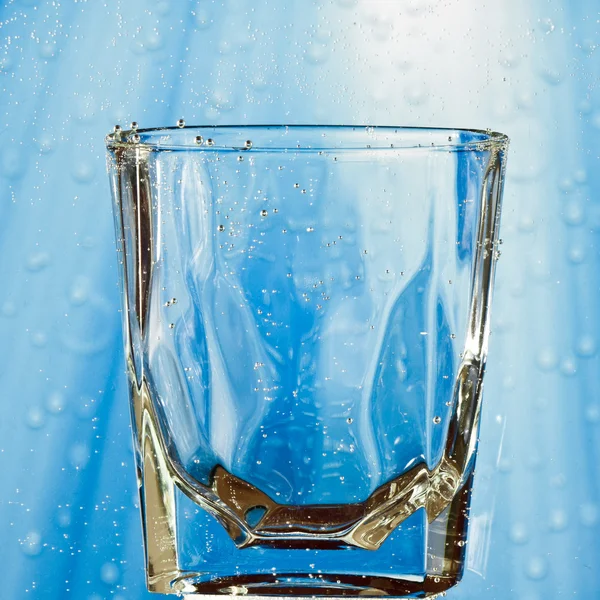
586	346
109	573
38	261
8	309
56	403
589	514
568	367
39	339
558	520
63	517
576	254
35	417
536	568
547	359
592	413
32	544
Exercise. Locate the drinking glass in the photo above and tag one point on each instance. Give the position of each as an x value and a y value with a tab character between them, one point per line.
306	326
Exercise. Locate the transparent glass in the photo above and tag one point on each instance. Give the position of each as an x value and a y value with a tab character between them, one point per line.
306	322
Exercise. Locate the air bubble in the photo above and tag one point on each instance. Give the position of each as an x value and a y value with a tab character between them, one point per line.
199	139
296	185
210	142
437	420
349	420
221	227
133	126
117	129
181	123
135	138
248	144
264	213
171	325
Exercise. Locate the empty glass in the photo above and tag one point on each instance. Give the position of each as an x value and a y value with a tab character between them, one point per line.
306	322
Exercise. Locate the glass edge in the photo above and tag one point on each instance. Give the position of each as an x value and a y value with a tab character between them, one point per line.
493	139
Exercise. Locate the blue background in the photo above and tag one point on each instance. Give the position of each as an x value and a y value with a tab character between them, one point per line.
69	526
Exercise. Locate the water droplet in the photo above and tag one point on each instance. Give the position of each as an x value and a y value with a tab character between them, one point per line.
547	359
576	254
437	420
56	403
109	573
37	261
32	544
9	309
586	346
592	413
63	517
558	520
133	126
39	339
568	367
536	568
35	417
181	123
547	25
79	455
589	514
203	18
573	213
248	144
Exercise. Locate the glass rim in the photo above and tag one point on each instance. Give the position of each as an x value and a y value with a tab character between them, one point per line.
450	139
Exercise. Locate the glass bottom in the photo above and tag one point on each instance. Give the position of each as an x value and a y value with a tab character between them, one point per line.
315	585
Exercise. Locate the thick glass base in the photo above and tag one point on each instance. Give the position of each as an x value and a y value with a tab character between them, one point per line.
318	585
